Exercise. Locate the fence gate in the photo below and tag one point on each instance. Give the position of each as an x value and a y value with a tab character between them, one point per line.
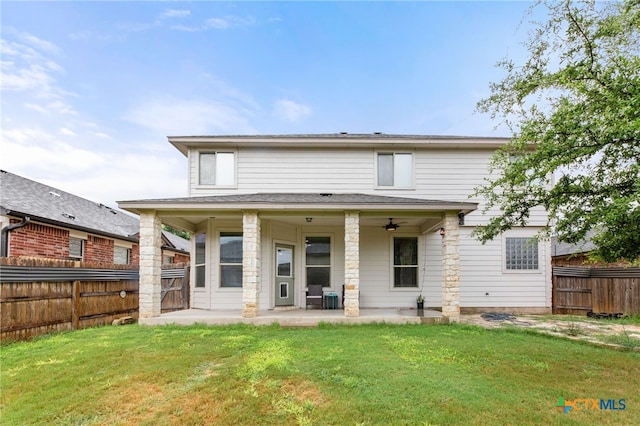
175	289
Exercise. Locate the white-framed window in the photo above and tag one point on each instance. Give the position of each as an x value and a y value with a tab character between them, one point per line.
217	168
405	262
76	248
395	169
200	259
521	254
231	259
121	255
318	260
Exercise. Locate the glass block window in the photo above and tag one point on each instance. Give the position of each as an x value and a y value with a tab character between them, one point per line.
521	253
405	262
231	259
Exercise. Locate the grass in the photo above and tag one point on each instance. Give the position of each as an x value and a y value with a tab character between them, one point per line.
347	375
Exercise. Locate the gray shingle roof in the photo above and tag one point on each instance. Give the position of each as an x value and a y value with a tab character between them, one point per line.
20	196
302	198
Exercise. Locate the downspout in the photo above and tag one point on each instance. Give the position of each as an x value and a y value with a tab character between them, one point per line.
4	243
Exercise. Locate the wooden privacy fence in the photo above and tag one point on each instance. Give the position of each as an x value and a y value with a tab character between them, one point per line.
39	296
578	290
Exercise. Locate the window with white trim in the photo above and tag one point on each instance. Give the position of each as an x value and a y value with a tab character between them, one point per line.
405	262
521	254
200	259
318	260
76	248
231	259
121	255
395	169
217	168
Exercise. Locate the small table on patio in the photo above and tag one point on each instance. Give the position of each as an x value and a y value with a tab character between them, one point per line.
331	300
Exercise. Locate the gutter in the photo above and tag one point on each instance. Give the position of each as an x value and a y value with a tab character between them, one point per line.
4	243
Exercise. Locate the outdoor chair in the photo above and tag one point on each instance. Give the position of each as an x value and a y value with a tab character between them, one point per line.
315	295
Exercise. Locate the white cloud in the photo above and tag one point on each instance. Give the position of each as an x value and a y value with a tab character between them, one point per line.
67	132
218	23
97	176
183	117
291	111
174	13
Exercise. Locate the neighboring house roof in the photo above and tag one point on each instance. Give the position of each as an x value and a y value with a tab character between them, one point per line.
22	197
564	249
323	201
182	143
175	243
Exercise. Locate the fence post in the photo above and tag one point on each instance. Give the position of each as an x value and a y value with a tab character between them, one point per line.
186	289
75	306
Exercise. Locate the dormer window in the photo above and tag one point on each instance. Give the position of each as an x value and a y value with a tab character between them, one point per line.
217	168
395	169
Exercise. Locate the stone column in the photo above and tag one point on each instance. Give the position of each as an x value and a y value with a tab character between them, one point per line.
351	264
150	290
250	264
451	268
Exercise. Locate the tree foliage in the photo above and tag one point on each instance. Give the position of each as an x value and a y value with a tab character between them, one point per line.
574	111
184	234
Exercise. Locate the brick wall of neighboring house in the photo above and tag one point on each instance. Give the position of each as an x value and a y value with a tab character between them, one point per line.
180	258
37	240
135	255
98	249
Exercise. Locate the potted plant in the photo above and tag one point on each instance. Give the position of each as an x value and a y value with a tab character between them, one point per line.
420	301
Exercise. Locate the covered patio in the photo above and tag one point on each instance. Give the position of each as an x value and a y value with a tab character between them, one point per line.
297	317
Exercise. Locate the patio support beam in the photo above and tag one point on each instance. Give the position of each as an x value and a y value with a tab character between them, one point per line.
351	300
451	267
150	265
250	264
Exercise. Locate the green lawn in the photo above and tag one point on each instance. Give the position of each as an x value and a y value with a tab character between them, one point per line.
346	375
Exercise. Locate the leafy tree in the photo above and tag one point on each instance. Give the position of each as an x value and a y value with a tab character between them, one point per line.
574	111
184	234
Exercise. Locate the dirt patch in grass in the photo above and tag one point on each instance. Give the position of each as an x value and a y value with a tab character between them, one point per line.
602	332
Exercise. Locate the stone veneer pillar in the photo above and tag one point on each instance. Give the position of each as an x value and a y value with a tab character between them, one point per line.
351	300
150	289
451	268
250	264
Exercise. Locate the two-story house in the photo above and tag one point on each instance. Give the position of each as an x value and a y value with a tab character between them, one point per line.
388	217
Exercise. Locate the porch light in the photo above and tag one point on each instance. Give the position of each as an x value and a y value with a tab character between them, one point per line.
442	232
309	219
460	218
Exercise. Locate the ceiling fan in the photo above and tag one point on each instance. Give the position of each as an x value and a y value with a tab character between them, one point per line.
391	226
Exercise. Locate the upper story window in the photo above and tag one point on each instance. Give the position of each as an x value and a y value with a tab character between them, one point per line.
395	169
217	168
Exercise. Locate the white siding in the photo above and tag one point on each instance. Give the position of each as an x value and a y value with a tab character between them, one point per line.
441	174
485	283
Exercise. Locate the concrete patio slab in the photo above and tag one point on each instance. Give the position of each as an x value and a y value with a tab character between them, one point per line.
297	317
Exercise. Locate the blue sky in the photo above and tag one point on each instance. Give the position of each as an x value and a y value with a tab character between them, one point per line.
90	90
